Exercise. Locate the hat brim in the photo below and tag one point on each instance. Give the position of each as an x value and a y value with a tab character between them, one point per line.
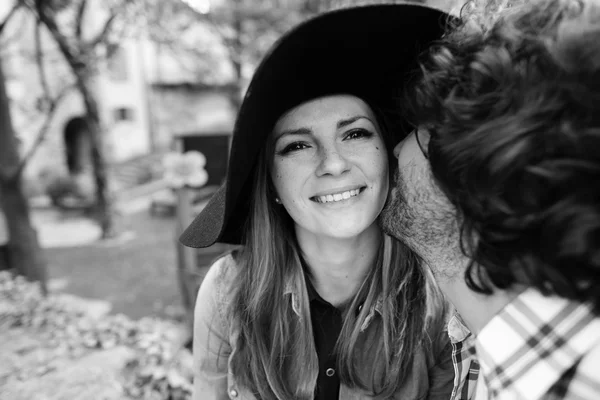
365	51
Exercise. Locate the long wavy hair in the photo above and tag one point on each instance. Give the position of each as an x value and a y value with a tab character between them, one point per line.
275	355
511	98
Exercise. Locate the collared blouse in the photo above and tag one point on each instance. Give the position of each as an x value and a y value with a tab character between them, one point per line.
215	338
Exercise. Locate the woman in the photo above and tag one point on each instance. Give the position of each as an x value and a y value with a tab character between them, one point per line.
318	302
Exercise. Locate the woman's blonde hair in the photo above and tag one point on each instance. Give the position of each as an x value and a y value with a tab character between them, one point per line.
275	355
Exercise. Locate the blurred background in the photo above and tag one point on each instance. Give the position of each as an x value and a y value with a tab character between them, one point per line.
99	102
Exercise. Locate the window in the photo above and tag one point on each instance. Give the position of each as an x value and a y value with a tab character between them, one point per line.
123	114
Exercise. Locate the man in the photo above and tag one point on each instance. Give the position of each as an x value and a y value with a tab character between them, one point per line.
499	191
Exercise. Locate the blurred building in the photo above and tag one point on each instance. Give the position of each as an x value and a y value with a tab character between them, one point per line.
147	92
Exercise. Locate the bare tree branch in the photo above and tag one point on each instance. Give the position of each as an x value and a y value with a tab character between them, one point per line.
101	37
106	30
39	60
206	18
45	128
13	35
80	17
47	17
79	55
53	102
11	13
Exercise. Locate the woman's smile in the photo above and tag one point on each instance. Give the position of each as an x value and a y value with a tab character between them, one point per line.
339	196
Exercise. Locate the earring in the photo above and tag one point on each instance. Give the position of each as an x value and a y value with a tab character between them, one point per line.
277	200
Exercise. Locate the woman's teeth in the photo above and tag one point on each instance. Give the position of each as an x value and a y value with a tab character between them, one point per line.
337	197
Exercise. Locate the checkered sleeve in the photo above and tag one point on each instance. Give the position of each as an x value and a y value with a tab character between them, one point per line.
581	381
541	347
466	370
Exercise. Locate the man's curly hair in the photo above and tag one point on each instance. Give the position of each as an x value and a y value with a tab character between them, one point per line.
511	98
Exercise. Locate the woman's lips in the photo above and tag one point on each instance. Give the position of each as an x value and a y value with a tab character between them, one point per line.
338	196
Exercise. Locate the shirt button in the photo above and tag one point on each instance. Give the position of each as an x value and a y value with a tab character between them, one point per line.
330	372
233	393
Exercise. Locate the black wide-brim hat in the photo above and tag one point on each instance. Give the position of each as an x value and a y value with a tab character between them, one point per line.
363	50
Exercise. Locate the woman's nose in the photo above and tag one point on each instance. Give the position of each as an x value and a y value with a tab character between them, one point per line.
332	162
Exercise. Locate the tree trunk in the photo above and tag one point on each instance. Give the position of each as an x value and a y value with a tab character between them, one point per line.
78	59
104	207
25	255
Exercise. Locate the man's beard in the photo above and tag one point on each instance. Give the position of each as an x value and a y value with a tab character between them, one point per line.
397	220
420	215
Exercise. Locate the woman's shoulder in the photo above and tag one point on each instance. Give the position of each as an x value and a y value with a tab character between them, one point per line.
216	290
222	273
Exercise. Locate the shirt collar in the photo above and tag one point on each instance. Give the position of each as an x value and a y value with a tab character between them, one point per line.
457	330
290	289
312	292
532	342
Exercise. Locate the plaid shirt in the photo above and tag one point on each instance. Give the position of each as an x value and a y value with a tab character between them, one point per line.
541	347
464	358
537	347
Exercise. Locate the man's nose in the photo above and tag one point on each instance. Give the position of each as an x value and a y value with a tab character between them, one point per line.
397	149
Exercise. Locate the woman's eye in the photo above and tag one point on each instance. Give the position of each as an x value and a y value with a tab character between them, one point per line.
293	147
358	134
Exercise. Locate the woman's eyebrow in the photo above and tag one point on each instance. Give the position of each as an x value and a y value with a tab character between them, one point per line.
306	131
299	131
345	122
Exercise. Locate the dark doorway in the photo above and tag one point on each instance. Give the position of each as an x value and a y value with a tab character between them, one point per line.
77	145
215	148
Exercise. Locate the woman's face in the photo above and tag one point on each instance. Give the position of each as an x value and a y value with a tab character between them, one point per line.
330	166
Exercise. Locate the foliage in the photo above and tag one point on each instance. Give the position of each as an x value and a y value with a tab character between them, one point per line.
68	192
185	169
161	368
225	43
60	187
